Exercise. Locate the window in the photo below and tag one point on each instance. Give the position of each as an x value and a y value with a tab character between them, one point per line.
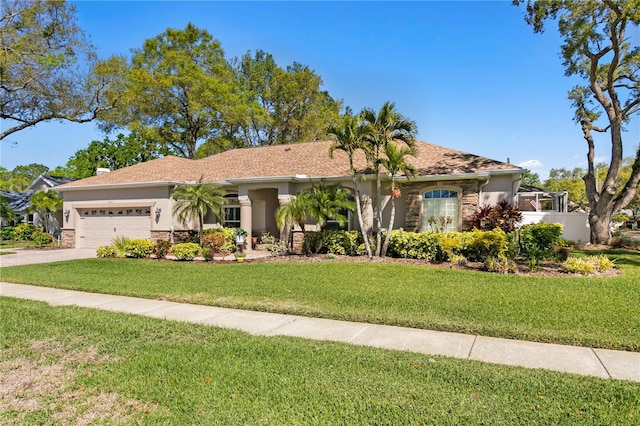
333	224
231	212
440	212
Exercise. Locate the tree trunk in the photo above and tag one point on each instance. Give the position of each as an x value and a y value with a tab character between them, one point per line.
363	231
600	230
387	238
377	215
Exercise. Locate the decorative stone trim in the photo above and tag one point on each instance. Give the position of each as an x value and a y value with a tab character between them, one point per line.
68	238
160	235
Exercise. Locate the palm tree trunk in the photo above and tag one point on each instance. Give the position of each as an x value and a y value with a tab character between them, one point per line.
387	238
363	231
377	224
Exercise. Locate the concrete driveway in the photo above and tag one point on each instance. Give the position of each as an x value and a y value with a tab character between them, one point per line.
30	257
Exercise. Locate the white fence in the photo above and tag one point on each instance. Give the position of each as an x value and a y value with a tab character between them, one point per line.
576	225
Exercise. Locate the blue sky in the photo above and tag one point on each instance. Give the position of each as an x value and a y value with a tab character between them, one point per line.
472	75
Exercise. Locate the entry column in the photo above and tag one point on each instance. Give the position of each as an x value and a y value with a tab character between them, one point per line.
246	219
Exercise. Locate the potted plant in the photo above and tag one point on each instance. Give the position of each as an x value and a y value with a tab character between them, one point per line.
240	234
240	256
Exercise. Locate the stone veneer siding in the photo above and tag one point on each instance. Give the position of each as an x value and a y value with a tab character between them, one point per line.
160	235
468	202
68	238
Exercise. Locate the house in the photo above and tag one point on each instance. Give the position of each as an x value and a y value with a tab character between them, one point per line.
20	202
135	201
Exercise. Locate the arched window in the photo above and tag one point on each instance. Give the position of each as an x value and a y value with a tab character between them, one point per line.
440	210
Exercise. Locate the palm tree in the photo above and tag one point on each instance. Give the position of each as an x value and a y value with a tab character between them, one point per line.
6	212
195	200
293	213
319	203
385	126
46	203
326	203
350	137
396	164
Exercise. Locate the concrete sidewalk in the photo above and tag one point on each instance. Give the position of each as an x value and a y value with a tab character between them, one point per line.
570	359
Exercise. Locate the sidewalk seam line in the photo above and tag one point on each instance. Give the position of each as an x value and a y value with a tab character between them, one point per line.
601	363
473	344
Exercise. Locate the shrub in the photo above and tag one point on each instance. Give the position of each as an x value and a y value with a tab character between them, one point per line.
483	245
214	243
139	248
501	265
273	245
342	242
458	259
106	251
413	245
538	240
453	244
161	248
207	253
120	246
186	251
229	245
503	215
579	265
23	232
6	233
41	238
588	264
312	242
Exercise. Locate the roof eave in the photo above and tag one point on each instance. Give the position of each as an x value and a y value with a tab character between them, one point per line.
118	185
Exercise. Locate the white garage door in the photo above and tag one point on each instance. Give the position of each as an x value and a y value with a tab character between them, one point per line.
98	227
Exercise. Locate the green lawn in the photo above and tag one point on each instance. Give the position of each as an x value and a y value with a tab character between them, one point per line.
7	244
69	364
591	311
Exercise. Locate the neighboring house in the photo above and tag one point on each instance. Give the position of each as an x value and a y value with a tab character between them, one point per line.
135	201
20	203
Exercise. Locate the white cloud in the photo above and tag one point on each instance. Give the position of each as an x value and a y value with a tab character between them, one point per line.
530	164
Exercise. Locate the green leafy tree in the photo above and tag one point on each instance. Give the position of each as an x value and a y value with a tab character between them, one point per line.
21	176
46	203
48	68
531	179
179	90
384	127
193	201
570	181
123	151
395	162
597	48
350	138
287	104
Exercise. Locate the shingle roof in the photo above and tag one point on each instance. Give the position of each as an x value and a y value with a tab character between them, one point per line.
18	201
165	169
309	158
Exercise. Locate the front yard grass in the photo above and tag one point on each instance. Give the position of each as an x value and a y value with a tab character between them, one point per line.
67	365
590	311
